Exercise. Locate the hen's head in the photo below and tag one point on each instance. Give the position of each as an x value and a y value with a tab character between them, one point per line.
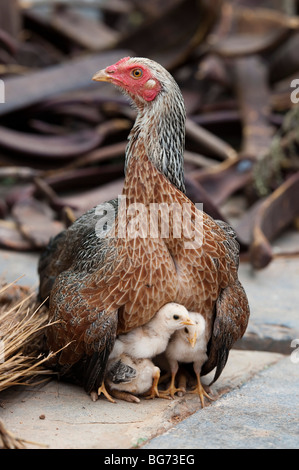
143	79
160	112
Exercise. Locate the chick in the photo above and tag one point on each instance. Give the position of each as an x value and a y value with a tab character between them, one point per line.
152	338
129	376
147	341
188	345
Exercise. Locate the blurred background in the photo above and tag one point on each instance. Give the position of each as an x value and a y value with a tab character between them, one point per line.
63	137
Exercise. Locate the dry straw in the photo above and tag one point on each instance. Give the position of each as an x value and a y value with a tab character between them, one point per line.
22	360
22	325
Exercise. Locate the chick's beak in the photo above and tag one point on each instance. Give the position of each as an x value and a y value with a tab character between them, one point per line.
187	322
102	76
192	340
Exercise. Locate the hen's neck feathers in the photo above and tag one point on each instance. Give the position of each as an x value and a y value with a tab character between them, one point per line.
160	129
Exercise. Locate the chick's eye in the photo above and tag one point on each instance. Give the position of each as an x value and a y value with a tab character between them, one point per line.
176	317
136	73
186	330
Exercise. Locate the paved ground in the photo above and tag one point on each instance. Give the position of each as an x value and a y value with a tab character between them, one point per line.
261	414
257	404
61	415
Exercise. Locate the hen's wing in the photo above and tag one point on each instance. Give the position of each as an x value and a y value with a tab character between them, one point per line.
80	239
231	241
71	257
231	313
51	263
88	330
231	318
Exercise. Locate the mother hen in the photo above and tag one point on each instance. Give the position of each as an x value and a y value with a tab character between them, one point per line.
109	272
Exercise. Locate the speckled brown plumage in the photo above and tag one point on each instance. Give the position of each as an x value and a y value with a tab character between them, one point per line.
103	286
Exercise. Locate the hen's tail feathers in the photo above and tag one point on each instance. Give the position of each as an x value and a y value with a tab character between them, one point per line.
47	269
231	319
95	368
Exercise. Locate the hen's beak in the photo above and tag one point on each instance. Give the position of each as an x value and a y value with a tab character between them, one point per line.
102	76
187	322
192	340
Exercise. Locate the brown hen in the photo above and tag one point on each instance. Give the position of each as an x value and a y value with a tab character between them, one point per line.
119	263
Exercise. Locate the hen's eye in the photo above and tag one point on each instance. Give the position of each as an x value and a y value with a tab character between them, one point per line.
136	73
176	317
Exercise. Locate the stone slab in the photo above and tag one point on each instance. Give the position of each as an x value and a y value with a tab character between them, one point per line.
62	416
15	265
262	414
273	296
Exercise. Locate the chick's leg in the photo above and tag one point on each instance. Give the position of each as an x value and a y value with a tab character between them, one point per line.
200	391
171	390
154	392
124	396
102	389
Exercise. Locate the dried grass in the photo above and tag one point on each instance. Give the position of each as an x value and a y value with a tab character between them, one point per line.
22	359
9	441
22	326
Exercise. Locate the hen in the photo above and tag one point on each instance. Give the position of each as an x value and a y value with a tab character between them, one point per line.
118	264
